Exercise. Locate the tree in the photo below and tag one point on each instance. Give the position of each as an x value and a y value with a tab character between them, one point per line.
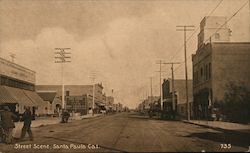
236	103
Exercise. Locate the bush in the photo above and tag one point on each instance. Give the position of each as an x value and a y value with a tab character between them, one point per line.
236	103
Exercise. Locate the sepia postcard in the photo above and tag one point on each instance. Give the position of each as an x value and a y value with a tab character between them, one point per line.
124	76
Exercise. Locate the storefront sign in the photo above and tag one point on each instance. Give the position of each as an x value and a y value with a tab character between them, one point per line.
13	70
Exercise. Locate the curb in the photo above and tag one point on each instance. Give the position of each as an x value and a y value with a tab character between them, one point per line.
217	128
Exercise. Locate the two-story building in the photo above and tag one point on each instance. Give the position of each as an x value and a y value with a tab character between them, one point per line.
216	63
17	88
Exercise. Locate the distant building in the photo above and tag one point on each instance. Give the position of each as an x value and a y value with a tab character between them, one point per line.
180	95
17	87
109	102
53	104
79	91
78	104
216	64
118	107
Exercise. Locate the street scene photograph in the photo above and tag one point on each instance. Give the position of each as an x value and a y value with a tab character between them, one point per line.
124	76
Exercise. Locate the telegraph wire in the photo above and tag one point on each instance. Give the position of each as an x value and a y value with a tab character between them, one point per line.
229	19
208	14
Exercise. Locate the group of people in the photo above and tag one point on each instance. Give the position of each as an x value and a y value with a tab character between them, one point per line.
7	124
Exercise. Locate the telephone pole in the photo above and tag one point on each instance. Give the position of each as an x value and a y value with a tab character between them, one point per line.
93	76
151	90
173	90
161	101
186	28
62	57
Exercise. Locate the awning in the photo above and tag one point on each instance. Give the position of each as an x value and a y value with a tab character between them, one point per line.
34	97
19	96
99	104
5	96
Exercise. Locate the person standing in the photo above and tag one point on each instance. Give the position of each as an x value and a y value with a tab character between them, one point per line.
27	118
7	122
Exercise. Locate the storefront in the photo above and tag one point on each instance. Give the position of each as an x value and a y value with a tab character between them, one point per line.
17	87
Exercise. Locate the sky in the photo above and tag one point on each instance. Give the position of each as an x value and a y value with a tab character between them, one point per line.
118	40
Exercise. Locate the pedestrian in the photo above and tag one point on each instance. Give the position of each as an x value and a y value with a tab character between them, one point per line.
27	118
7	124
65	116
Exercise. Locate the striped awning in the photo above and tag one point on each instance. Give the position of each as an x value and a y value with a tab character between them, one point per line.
16	95
5	96
34	97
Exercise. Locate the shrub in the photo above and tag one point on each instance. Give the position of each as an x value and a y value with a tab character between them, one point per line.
236	103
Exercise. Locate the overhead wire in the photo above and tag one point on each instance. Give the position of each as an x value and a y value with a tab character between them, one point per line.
229	19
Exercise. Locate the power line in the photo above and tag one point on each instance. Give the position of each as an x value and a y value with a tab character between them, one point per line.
189	38
228	20
217	29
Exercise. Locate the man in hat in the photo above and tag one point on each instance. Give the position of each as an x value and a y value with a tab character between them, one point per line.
27	118
7	122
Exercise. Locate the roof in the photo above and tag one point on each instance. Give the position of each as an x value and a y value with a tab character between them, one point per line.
57	101
47	96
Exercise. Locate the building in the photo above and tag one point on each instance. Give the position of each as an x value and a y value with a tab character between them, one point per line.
53	104
151	102
180	96
84	91
118	107
109	103
77	104
216	64
17	88
209	30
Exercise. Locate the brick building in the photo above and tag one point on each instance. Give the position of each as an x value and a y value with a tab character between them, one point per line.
77	91
180	95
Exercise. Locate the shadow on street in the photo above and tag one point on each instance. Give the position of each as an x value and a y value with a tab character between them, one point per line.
227	137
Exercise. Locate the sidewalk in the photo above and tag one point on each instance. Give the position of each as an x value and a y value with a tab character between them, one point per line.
43	121
85	116
220	125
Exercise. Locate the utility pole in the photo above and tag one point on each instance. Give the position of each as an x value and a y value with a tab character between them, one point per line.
93	76
61	56
151	90
173	89
186	28
161	101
